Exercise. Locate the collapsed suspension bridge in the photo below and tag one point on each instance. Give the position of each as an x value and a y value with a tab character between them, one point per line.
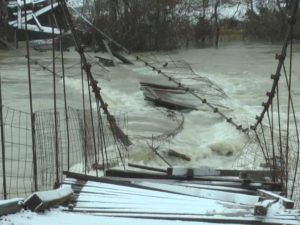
279	146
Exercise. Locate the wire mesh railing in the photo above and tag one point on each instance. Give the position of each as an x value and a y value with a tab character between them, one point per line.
262	154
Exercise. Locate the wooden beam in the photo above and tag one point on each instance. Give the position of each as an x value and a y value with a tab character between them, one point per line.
30	16
121	58
147	168
13	4
109	52
104	61
7	44
287	203
35	28
40	201
10	206
216	219
207	171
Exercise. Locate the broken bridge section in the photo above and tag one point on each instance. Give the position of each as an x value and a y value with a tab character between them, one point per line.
36	11
211	196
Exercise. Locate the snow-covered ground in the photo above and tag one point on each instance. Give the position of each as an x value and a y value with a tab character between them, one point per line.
59	217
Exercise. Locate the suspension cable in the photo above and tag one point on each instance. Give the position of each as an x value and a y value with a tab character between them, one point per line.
281	58
118	133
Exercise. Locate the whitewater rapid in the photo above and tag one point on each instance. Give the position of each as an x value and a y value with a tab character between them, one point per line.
242	70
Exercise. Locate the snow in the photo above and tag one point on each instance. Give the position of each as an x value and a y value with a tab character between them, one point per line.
236	11
75	3
112	204
53	194
58	216
6	202
63	218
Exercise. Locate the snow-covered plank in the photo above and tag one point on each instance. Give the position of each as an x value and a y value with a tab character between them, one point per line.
179	208
10	206
149	168
118	198
203	171
219	188
171	200
104	188
36	28
36	13
207	219
204	193
39	201
67	218
176	188
13	4
287	203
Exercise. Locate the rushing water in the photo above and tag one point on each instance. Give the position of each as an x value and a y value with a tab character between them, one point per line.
242	70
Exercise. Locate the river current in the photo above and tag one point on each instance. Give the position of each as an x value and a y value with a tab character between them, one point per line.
241	69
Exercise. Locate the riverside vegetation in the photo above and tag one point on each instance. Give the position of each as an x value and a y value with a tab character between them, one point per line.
168	24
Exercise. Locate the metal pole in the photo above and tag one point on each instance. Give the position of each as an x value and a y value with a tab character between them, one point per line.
93	128
2	143
30	101
84	120
35	175
54	101
65	98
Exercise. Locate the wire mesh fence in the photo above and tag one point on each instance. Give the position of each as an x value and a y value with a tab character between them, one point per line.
16	165
83	144
269	155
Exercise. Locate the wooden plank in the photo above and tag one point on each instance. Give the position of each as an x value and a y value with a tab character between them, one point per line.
168	102
150	168
109	52
7	44
202	171
207	171
83	177
179	155
104	61
165	96
150	94
137	174
252	174
219	219
125	178
161	86
30	16
261	208
203	193
252	187
13	4
116	198
121	58
287	203
35	28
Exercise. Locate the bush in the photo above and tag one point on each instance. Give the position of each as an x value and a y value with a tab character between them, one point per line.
269	25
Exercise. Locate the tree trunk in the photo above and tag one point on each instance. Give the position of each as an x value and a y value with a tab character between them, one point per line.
217	27
251	5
